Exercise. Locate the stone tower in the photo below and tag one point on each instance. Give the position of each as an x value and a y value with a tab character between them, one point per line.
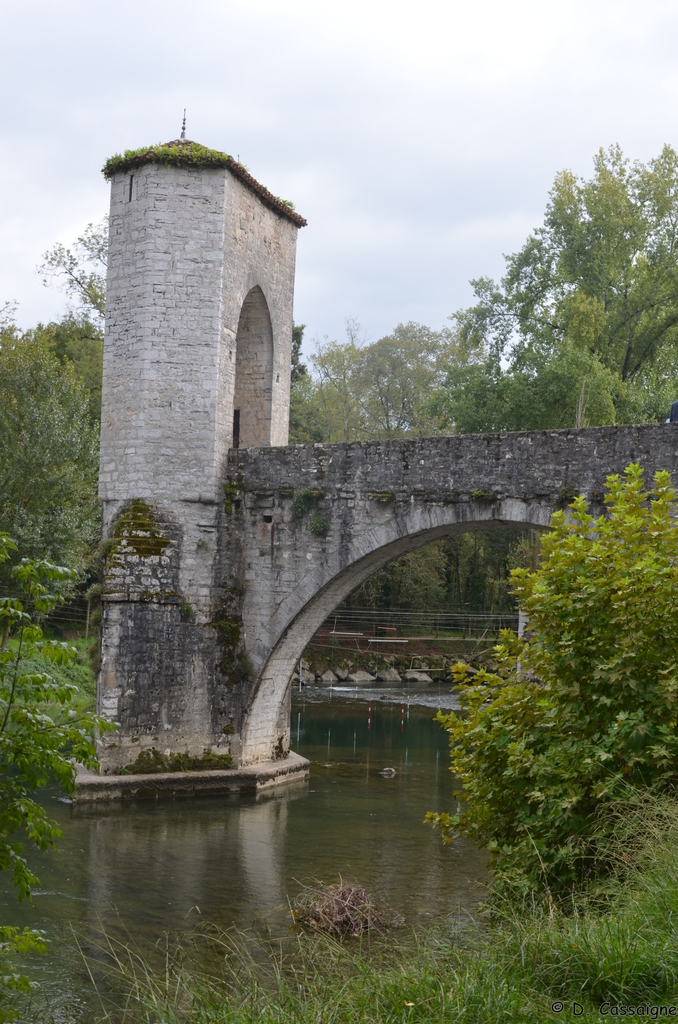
196	361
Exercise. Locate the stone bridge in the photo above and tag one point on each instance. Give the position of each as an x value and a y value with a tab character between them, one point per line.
294	531
226	548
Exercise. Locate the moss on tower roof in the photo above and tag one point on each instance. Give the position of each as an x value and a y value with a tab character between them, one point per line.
184	153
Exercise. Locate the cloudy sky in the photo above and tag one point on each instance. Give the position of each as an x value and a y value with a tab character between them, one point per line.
419	139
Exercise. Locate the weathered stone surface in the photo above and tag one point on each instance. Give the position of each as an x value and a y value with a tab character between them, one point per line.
328	678
360	678
415	675
388	675
91	788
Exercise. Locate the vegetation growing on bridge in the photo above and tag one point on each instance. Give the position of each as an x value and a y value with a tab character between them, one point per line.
154	762
138	528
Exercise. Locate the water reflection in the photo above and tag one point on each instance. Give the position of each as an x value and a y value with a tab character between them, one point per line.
145	869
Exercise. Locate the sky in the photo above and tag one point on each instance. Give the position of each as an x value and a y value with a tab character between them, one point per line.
419	140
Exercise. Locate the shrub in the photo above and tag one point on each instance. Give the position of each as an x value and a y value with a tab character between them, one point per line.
584	710
43	735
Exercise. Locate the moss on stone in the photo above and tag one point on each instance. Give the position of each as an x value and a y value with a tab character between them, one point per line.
565	496
303	499
232	488
153	762
138	529
180	153
477	494
234	664
381	496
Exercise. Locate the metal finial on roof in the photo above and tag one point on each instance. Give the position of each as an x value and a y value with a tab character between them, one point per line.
183	126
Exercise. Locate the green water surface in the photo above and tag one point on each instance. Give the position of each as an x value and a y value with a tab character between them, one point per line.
144	870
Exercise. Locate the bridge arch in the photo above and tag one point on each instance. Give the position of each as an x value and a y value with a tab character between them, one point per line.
337	574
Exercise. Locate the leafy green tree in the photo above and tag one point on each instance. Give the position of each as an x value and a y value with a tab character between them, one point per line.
298	368
382	389
465	573
48	453
81	270
306	424
586	708
78	337
588	305
42	737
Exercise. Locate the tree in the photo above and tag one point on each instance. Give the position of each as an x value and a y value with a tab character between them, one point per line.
590	303
78	337
298	369
82	269
48	453
465	573
306	426
382	389
42	737
76	341
585	710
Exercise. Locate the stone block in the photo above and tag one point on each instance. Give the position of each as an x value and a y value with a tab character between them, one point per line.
360	678
414	675
388	675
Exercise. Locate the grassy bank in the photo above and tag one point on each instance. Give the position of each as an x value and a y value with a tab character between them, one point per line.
617	944
78	672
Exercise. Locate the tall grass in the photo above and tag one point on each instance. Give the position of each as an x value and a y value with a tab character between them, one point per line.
617	943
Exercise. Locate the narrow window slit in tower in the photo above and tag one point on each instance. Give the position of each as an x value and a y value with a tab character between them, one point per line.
131	182
236	428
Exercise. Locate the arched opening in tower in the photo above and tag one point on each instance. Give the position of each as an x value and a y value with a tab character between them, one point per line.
253	374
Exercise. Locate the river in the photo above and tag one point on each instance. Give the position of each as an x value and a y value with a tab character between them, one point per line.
147	869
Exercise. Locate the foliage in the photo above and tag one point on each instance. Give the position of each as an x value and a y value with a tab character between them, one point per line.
48	453
171	154
42	736
586	710
77	341
298	369
184	153
383	389
466	572
318	525
306	422
586	315
78	338
302	500
82	269
16	942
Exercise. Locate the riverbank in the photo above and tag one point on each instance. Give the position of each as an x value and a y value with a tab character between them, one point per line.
612	947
